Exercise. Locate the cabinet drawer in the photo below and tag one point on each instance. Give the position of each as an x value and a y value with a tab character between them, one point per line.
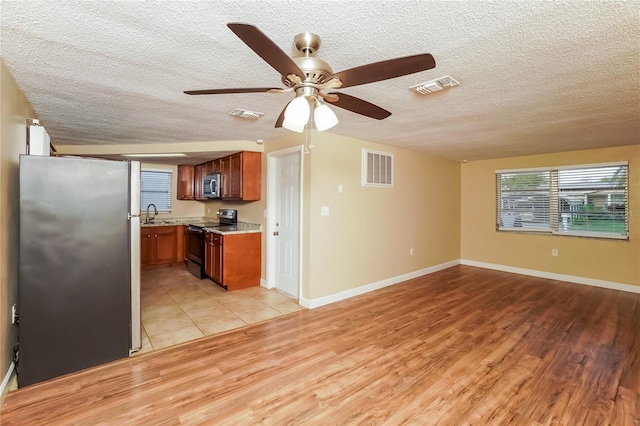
212	237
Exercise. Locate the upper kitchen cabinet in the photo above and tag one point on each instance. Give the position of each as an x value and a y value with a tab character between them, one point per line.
186	174
241	176
209	167
200	173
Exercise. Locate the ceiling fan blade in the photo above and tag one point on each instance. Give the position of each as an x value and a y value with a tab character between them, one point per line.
357	105
266	49
384	70
280	119
225	91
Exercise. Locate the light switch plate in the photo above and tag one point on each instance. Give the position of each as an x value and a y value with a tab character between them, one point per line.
324	211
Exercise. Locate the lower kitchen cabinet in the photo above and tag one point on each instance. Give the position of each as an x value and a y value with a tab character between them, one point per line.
233	260
158	245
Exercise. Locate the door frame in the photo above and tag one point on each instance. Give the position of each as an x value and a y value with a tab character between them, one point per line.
272	158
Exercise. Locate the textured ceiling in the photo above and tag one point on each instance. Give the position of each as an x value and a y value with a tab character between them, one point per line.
535	76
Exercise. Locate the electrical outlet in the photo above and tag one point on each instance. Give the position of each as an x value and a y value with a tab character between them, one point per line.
14	316
554	252
340	189
410	252
208	210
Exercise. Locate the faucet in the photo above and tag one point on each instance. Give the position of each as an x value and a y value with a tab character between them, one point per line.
155	212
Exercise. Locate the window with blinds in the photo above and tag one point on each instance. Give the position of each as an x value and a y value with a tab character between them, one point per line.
155	188
377	168
586	200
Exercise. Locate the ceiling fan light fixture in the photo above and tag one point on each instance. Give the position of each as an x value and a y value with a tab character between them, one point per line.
324	117
297	112
294	127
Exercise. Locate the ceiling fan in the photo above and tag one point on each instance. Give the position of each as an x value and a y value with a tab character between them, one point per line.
310	77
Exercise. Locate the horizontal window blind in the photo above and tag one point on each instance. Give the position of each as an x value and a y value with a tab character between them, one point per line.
155	188
592	201
524	199
587	200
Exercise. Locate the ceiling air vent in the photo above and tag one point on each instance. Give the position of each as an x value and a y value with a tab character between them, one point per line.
435	85
244	113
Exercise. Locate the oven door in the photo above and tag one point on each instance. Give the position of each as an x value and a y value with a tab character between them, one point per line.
194	239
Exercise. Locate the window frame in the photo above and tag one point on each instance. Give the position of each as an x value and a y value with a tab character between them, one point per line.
161	208
555	191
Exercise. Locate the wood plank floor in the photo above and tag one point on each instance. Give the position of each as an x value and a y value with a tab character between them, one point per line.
461	346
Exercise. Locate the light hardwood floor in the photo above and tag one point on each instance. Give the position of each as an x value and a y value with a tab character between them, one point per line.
461	346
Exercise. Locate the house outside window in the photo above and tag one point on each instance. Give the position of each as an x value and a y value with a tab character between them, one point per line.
585	200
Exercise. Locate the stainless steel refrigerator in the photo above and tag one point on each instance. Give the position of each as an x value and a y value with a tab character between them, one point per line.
79	273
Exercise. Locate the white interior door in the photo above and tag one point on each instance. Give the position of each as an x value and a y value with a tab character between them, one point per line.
286	224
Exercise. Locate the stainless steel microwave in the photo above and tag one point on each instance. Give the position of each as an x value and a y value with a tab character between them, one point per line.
211	185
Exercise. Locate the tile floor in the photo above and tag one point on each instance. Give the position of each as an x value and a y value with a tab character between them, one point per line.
177	307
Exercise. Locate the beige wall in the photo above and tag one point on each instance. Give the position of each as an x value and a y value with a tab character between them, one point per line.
15	108
359	243
609	260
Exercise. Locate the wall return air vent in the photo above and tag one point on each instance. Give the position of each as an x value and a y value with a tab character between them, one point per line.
245	113
435	85
377	168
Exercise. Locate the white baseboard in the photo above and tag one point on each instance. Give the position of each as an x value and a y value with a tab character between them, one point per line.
553	276
264	283
332	298
5	383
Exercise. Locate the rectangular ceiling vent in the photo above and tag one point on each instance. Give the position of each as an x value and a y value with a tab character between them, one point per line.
245	113
435	85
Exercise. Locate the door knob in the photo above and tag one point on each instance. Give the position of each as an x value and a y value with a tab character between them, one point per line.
276	233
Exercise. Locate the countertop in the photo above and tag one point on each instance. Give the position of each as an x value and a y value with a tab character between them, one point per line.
242	228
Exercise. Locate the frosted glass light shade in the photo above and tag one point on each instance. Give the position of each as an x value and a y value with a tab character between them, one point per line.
324	118
287	124
297	112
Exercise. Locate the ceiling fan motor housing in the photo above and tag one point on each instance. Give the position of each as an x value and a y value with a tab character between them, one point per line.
315	69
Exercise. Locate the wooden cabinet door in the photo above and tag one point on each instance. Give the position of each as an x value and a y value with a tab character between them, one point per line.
146	250
165	242
200	173
225	165
179	243
217	165
235	176
217	259
186	175
251	176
